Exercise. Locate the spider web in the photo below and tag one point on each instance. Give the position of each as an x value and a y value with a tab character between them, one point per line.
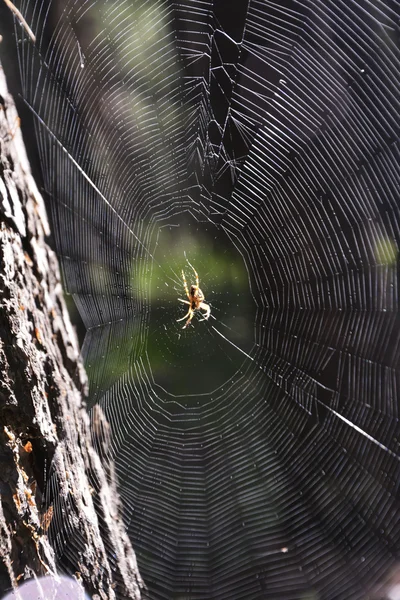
257	452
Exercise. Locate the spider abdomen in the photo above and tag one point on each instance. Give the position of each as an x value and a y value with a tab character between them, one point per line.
195	299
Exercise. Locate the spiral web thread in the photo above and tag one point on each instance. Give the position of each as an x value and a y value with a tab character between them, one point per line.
272	128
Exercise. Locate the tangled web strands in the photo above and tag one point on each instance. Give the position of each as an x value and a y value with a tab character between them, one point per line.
257	452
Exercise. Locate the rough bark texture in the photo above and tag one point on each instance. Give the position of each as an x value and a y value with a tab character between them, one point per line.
43	422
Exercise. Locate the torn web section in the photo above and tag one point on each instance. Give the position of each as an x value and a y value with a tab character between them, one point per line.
256	62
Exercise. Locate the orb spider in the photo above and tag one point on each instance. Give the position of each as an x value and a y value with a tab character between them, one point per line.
195	300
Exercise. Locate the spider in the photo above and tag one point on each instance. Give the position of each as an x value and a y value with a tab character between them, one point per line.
196	300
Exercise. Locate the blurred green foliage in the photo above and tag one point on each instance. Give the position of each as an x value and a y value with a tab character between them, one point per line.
386	252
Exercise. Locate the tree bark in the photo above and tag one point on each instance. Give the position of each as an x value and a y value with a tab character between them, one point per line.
44	426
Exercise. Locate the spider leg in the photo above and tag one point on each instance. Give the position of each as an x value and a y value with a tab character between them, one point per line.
188	321
204	306
188	314
184	301
195	272
185	285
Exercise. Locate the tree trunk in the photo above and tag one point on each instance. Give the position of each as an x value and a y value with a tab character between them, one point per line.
44	426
